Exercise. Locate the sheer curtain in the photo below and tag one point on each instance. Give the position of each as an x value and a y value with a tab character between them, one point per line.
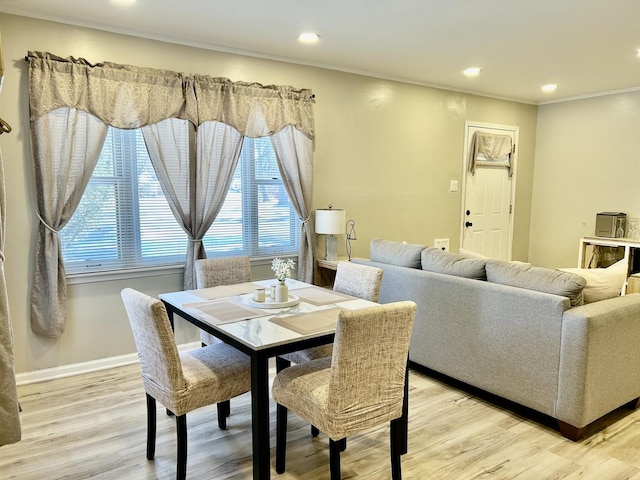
66	146
195	183
194	176
294	151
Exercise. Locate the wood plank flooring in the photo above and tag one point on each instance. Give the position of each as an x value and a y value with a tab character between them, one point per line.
93	427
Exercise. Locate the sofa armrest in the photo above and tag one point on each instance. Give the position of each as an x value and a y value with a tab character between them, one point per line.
599	359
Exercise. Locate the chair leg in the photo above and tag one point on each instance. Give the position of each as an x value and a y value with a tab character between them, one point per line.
281	364
181	424
334	458
343	444
222	415
397	442
281	437
227	408
151	427
315	432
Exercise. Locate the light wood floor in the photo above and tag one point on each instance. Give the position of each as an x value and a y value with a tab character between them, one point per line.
93	426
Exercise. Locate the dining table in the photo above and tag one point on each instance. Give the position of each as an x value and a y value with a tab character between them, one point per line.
249	319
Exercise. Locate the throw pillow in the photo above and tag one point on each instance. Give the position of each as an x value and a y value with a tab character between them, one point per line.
540	279
436	260
602	283
395	253
470	254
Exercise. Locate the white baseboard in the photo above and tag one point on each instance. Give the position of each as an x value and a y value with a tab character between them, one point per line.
85	367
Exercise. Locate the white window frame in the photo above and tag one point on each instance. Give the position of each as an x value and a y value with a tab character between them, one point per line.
250	232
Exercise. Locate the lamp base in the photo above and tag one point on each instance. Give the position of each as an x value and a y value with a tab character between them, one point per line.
331	248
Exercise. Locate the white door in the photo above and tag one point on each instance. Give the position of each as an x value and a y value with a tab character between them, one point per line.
487	213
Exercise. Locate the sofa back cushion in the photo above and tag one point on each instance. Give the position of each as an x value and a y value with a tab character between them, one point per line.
396	253
436	260
537	278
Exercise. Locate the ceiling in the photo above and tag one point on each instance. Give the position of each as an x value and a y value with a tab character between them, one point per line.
586	47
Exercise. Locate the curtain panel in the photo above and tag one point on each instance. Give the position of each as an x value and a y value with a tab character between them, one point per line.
10	426
127	97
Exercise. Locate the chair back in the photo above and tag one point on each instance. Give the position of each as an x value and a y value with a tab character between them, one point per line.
369	364
362	281
155	342
211	272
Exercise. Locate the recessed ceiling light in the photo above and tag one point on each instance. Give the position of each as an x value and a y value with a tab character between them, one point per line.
549	87
123	2
638	53
308	37
472	71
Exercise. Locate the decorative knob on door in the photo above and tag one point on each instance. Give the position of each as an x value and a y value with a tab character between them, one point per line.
468	224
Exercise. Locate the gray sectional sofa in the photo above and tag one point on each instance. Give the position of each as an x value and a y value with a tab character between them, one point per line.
516	331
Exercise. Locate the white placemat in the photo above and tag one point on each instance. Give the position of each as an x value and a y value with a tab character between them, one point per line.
222	311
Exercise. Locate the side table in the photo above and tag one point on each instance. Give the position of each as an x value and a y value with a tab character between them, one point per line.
326	271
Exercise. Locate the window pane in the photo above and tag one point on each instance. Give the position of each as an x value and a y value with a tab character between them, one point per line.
257	218
91	234
124	221
225	236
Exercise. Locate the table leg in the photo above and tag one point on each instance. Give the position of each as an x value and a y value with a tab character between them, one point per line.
260	416
404	419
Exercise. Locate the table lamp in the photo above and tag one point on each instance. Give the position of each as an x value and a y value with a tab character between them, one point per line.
330	221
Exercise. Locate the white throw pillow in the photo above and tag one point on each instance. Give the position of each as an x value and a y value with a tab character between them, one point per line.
602	283
470	254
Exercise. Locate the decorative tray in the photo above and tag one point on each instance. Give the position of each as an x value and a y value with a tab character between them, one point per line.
293	300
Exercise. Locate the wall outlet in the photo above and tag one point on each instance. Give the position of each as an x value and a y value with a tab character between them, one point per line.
453	186
441	243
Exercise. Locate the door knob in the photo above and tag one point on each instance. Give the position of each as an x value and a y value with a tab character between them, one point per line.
468	224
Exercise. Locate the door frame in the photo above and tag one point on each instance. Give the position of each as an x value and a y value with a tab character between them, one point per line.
515	130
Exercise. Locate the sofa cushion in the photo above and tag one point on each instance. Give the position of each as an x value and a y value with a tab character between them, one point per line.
439	261
396	253
540	279
602	283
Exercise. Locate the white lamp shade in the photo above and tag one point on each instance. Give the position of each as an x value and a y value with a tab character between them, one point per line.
330	221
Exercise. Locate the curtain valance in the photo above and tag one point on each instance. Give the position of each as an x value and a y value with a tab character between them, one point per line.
126	96
493	147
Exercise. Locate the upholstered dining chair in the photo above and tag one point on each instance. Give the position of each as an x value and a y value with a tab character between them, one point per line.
185	381
212	272
361	386
362	281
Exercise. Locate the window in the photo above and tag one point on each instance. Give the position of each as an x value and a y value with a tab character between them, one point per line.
124	221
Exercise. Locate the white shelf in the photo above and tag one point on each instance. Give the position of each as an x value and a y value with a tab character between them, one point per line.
627	243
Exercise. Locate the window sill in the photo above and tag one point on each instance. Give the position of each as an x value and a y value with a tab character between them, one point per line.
94	277
175	269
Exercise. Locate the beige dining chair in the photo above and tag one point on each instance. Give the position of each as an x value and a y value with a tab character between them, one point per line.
212	272
185	381
362	281
361	386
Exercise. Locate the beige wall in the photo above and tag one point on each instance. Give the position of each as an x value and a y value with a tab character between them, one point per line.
385	152
586	162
